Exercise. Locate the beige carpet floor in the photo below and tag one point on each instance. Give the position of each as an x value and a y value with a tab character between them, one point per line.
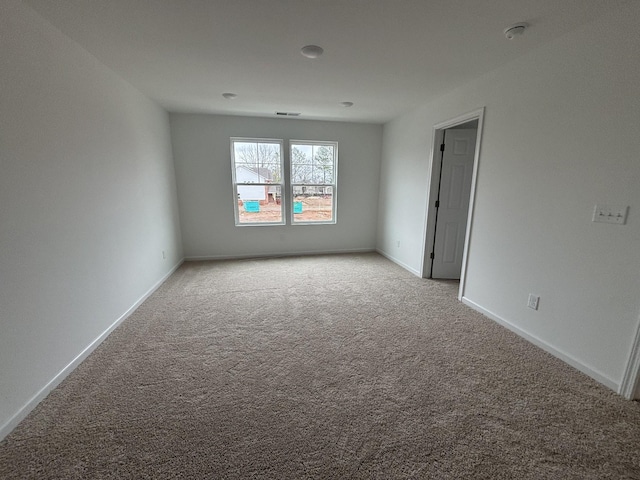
325	367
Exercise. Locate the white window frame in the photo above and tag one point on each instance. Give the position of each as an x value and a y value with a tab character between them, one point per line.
333	185
281	184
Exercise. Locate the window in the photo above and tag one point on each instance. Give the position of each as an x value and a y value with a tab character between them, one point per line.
313	181
257	181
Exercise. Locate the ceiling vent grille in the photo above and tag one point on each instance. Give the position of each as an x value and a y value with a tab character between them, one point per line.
288	114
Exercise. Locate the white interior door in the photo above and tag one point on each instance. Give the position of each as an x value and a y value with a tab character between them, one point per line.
456	174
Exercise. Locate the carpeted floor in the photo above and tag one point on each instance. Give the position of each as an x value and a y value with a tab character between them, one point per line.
326	367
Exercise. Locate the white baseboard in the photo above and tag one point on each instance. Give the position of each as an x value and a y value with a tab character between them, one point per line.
60	376
398	262
196	258
565	357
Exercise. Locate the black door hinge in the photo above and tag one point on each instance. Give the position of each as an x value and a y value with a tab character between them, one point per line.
437	203
431	255
442	147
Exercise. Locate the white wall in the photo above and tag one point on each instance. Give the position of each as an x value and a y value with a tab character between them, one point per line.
561	133
203	171
87	204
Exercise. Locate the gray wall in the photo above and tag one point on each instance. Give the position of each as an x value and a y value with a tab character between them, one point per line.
87	204
561	134
203	171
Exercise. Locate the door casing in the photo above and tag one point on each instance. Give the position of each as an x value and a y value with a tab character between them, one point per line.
434	176
630	386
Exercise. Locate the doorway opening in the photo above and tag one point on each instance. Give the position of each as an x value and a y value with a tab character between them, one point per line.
453	171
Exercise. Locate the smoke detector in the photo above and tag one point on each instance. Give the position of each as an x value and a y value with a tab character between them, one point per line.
515	30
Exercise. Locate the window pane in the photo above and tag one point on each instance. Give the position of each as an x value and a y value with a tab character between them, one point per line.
270	172
257	162
246	174
322	174
245	153
323	161
312	203
302	154
301	173
268	153
323	155
259	203
312	163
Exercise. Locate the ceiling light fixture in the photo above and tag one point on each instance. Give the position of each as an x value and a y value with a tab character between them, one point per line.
346	104
229	96
515	30
311	51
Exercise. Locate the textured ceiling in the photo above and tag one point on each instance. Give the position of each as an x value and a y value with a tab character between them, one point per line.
386	56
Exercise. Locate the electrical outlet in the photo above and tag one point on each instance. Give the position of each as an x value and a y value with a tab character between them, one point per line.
164	255
398	243
533	301
610	214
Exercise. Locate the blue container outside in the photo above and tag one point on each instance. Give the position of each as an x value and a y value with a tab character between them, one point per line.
251	206
297	207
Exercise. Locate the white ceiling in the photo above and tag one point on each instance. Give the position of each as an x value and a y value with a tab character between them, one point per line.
386	56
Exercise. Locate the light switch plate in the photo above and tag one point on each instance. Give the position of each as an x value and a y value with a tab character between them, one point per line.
610	214
533	301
